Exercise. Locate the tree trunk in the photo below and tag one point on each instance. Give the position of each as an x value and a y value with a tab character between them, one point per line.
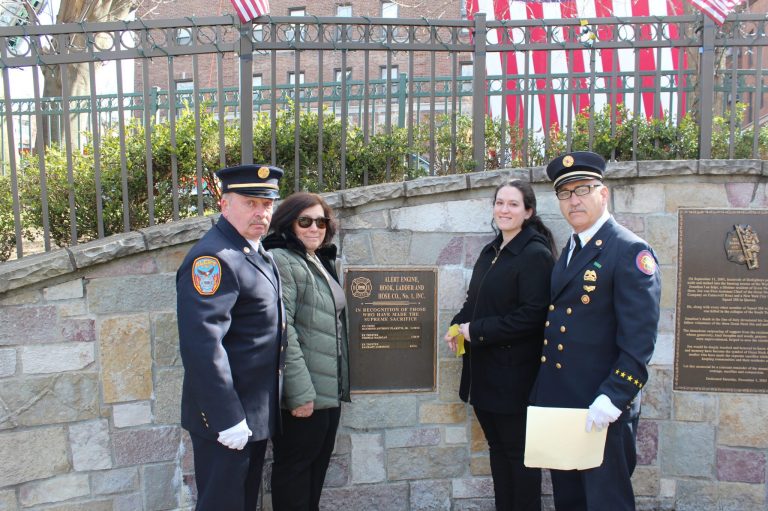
78	76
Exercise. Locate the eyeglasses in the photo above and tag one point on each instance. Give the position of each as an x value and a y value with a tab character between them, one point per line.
305	222
579	191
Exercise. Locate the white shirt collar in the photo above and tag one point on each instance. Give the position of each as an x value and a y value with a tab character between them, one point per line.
587	234
255	244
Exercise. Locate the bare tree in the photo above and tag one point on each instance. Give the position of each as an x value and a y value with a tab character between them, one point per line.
77	75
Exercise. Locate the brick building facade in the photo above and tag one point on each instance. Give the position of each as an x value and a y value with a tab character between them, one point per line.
751	58
309	68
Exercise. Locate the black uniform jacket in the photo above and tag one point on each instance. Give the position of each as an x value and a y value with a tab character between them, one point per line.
231	335
602	323
506	306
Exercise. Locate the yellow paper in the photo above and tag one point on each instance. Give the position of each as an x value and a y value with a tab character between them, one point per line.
453	331
557	438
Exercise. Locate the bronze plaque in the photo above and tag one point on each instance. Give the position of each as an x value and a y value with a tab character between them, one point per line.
392	324
721	336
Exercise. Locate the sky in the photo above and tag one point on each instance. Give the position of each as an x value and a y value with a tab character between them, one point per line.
106	76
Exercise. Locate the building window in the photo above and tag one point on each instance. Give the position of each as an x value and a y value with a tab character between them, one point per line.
343	11
392	10
258	80
393	72
292	81
292	77
389	10
467	71
337	74
394	76
184	84
464	15
289	34
258	33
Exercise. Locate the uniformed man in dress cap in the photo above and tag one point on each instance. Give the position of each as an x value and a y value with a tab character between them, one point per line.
600	333
231	325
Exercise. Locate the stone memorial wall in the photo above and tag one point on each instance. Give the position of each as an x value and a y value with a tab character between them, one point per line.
90	374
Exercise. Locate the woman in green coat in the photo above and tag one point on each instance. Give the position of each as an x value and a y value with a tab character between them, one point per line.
316	377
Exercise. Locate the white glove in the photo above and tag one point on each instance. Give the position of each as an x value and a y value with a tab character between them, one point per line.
601	413
235	437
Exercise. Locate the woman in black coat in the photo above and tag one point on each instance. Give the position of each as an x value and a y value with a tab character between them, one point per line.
502	321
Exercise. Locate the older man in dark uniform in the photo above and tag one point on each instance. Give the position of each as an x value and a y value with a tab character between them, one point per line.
600	333
231	325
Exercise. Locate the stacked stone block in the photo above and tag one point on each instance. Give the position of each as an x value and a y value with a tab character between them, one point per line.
90	372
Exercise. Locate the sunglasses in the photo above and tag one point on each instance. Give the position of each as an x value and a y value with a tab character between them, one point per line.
305	222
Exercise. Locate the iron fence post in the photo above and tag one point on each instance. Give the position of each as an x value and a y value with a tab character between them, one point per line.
401	99
12	162
706	88
480	94
245	58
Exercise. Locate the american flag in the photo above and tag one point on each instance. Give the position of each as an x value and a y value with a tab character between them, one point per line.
555	104
716	9
249	9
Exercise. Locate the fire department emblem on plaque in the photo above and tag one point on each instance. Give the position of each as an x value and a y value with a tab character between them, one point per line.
361	287
742	246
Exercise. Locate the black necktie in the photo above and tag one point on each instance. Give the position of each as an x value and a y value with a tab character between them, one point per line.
576	246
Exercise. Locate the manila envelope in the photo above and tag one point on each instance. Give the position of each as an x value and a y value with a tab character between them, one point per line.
557	438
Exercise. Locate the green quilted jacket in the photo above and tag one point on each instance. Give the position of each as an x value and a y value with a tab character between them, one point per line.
317	357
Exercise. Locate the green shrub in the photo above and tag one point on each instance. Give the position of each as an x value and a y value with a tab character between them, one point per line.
7	224
58	189
381	158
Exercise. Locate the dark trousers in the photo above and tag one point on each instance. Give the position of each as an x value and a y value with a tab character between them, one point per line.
227	479
516	487
607	487
302	454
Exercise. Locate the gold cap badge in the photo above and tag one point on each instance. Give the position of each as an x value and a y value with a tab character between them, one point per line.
263	172
568	161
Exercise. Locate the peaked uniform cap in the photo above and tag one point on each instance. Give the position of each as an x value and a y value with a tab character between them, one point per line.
575	166
251	180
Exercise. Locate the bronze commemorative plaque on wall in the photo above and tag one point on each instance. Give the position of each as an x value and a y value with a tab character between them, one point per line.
392	322
721	336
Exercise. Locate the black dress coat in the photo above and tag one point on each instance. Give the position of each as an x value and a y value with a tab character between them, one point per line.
506	306
231	335
602	323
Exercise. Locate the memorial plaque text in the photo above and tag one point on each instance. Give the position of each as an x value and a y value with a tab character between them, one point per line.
722	301
392	323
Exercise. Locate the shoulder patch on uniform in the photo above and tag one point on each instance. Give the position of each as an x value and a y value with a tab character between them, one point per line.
206	275
645	262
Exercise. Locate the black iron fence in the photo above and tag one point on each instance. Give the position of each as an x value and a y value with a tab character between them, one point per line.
109	127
